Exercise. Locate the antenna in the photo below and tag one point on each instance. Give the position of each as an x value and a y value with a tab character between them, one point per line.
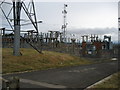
64	26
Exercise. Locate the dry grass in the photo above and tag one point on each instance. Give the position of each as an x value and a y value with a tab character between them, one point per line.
113	82
32	60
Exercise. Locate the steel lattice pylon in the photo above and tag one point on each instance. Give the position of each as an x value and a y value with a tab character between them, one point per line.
17	7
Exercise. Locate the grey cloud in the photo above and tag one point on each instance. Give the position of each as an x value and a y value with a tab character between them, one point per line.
99	31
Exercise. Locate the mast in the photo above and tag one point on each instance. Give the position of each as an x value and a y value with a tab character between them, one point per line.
64	26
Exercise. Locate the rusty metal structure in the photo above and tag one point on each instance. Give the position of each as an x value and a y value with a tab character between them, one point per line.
93	46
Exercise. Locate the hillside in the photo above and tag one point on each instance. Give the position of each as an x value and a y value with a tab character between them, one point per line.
32	60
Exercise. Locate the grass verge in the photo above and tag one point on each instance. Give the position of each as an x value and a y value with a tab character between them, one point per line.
32	60
113	82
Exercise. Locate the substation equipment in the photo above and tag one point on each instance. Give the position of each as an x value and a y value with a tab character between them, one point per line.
91	45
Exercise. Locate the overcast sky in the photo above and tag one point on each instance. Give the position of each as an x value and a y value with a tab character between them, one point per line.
82	17
80	14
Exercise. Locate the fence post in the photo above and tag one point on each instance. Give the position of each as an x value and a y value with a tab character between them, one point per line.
11	84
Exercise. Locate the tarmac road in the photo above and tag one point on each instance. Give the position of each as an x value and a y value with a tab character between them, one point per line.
67	77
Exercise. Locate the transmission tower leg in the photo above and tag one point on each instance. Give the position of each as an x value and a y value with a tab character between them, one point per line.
3	38
16	14
16	49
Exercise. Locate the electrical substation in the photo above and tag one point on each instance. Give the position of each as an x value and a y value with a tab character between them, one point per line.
86	46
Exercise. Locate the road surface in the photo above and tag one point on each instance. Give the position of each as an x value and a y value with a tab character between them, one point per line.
67	77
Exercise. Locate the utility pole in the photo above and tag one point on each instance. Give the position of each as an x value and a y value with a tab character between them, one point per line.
64	26
16	15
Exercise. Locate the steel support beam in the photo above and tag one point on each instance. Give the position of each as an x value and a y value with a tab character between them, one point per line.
16	13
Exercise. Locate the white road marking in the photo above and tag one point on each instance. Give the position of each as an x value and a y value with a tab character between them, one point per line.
114	59
99	82
83	70
42	84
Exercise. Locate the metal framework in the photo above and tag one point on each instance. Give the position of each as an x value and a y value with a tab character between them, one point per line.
64	26
17	6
